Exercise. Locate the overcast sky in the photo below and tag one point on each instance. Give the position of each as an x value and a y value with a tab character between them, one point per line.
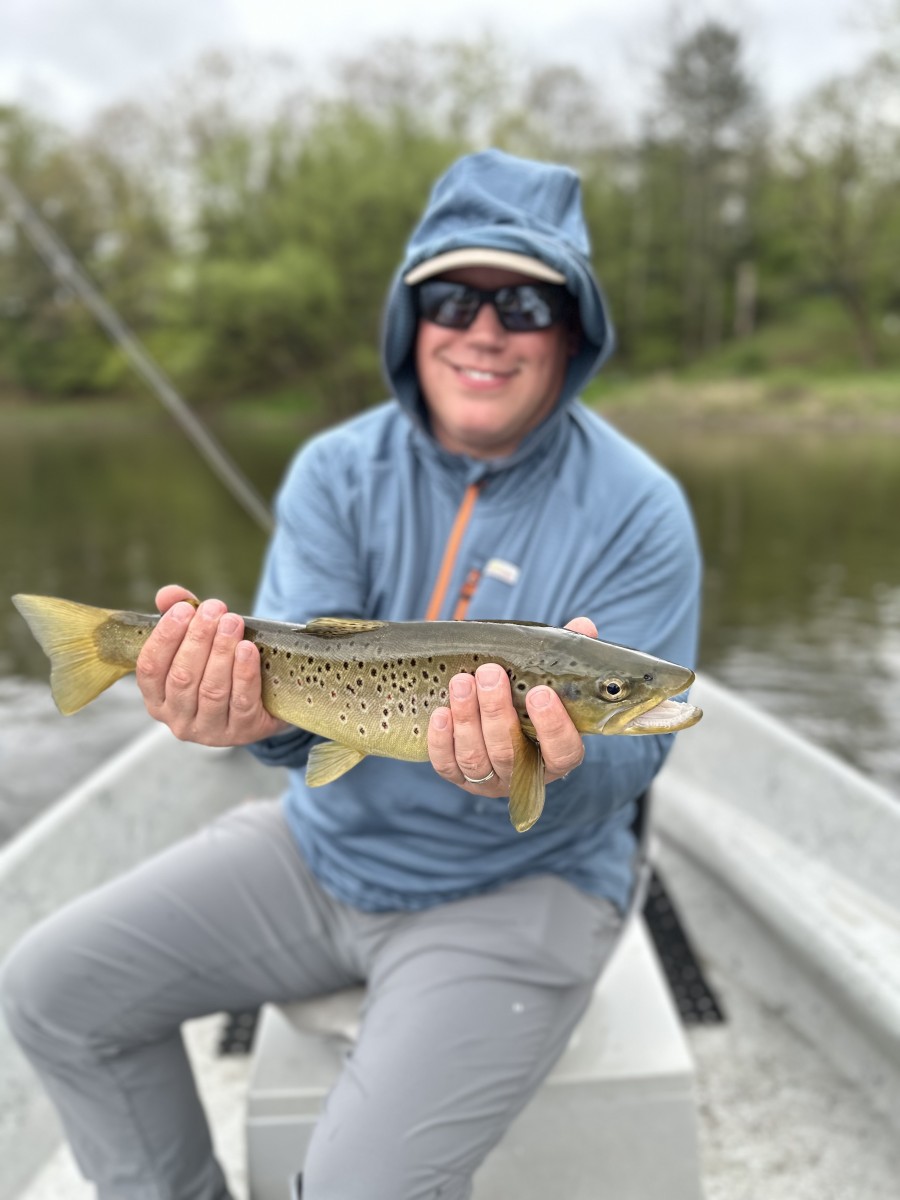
70	57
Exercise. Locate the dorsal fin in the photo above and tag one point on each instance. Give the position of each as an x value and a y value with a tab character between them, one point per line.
336	627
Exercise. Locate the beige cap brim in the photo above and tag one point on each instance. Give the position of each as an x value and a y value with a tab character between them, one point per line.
483	256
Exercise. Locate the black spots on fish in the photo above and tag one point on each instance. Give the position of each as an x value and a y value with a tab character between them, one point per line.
309	699
412	661
267	664
521	687
442	694
361	730
328	666
570	691
425	673
384	725
416	731
359	681
346	666
333	694
363	705
374	671
310	660
442	667
400	707
385	712
343	717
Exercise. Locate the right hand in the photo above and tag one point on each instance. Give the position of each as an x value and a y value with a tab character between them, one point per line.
200	677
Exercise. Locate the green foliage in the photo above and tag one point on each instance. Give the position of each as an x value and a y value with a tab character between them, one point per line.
247	228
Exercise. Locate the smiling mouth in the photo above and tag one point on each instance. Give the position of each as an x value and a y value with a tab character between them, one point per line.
481	376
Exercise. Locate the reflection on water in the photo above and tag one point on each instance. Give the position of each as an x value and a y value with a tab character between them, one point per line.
802	598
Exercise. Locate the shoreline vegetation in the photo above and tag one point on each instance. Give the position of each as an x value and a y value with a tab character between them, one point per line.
781	402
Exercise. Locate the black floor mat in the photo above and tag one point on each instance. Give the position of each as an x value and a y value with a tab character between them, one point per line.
694	998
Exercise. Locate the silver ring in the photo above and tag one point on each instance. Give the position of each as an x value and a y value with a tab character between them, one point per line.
490	775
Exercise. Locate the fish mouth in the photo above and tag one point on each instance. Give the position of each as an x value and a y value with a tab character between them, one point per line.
668	716
655	714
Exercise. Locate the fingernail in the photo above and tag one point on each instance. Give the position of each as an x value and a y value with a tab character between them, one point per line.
540	697
229	625
461	686
209	610
181	612
243	651
488	676
440	718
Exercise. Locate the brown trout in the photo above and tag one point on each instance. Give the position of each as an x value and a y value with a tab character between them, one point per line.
370	686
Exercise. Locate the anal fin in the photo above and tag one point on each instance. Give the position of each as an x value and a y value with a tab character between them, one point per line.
329	761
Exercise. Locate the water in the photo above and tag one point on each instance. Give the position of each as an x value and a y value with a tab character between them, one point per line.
802	592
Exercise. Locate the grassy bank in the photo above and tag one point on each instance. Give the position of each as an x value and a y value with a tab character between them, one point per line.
775	400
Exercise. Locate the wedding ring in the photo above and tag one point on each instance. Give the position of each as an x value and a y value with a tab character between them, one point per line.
490	775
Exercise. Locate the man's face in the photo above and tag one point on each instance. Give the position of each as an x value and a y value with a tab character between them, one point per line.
485	387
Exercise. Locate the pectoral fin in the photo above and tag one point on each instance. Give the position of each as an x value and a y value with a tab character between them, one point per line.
329	761
526	788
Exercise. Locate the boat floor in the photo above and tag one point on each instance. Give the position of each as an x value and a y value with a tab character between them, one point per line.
775	1119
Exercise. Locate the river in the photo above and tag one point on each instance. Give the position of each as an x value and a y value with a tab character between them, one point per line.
802	590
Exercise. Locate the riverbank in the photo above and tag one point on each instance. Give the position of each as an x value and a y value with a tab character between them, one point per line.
774	403
771	402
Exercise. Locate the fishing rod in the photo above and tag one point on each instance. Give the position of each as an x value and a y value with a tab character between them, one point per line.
64	267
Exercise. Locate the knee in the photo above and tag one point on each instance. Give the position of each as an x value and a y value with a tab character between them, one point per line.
38	985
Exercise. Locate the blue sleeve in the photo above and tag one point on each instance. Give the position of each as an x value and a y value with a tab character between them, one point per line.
650	601
313	566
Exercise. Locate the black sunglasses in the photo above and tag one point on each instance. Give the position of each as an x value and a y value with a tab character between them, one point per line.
522	308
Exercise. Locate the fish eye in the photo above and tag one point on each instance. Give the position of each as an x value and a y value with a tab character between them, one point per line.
612	688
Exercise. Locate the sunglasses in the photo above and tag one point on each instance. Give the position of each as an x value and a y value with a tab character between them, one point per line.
522	308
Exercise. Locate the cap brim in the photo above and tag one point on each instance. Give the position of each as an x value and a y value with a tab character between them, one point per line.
483	256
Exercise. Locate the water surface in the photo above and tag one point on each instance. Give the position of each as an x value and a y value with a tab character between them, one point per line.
802	589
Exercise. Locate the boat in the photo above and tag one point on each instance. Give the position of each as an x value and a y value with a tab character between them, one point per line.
781	862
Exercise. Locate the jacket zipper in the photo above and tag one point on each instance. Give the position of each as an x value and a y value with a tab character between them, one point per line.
451	550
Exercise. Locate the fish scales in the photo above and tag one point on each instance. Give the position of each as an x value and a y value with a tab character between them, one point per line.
375	689
370	687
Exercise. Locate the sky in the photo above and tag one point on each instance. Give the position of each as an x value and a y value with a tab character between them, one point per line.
69	58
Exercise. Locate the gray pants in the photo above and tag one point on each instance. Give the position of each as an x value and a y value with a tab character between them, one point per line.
468	1006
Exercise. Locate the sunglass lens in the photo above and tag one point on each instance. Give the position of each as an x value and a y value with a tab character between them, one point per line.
452	305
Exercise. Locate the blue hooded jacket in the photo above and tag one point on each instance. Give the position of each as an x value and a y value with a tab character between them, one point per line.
577	521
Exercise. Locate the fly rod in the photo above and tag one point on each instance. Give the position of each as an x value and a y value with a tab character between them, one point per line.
64	267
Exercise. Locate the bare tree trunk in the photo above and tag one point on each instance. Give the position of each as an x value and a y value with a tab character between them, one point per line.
745	291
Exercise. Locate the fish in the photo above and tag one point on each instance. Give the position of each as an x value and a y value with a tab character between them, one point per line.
369	687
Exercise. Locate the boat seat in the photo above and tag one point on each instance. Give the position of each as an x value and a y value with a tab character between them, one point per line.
614	1118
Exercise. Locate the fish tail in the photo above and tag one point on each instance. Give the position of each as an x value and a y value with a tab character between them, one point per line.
67	632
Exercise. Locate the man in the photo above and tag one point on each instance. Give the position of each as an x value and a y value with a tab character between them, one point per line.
484	489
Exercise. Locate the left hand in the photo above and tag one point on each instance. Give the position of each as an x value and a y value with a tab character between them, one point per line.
474	736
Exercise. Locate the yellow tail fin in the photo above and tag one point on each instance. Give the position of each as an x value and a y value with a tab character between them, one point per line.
65	631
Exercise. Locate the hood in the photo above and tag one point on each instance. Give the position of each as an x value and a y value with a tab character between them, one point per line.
496	200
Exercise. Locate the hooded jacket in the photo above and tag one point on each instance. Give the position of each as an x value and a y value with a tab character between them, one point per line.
578	521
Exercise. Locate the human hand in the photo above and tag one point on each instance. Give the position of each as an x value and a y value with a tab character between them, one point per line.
472	743
198	676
